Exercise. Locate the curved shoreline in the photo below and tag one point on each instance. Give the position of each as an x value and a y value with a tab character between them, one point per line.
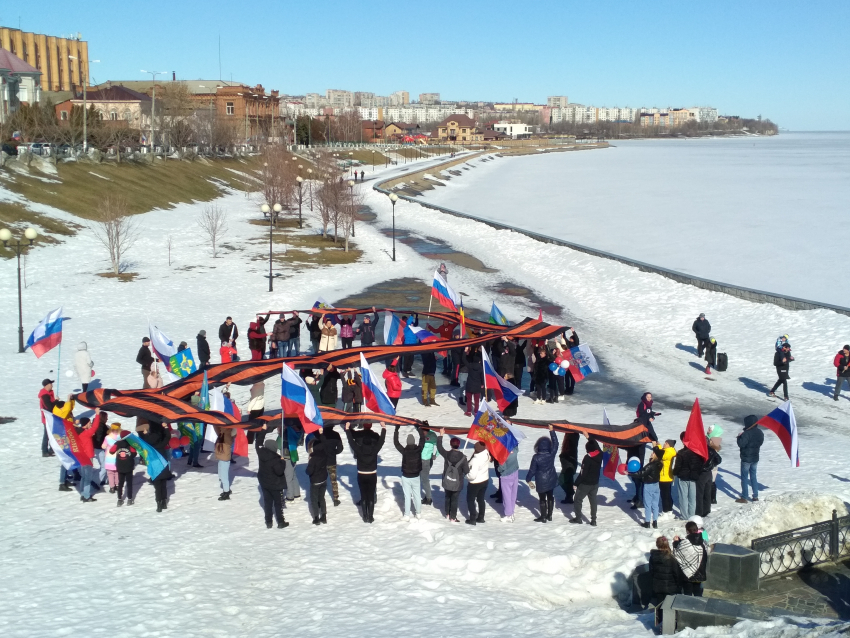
748	294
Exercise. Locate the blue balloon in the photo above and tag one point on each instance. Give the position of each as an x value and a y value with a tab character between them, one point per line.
562	372
553	366
176	453
633	466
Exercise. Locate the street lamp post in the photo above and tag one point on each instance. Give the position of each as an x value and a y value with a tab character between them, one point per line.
351	191
393	199
272	213
300	181
309	176
153	100
85	80
18	247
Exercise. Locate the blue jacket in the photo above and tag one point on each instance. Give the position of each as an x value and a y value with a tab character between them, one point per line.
750	441
511	463
542	469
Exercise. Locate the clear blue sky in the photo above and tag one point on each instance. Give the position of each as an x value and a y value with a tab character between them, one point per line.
789	61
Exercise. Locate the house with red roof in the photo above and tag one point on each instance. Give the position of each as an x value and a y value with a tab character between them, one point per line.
20	83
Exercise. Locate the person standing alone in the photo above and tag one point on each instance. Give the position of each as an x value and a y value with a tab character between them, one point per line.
843	365
750	441
782	361
702	330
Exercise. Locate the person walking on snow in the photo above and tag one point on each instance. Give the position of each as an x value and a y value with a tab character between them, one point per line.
479	480
411	468
781	341
509	482
542	475
125	463
782	361
271	477
749	441
842	363
83	365
702	330
587	483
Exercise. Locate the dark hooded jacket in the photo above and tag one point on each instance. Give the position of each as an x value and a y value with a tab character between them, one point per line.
687	465
317	466
365	449
665	572
542	468
411	456
750	441
333	445
270	472
591	466
475	372
453	457
203	349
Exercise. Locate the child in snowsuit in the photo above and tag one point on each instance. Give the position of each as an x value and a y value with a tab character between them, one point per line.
125	462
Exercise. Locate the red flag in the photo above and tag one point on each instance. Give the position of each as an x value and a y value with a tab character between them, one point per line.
610	461
540	316
695	439
240	445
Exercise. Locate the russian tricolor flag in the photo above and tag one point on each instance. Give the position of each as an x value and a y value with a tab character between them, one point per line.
393	329
505	392
443	293
296	400
582	362
47	334
610	454
373	394
63	442
415	334
162	346
783	424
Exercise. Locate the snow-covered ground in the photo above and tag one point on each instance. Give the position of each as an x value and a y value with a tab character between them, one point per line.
211	568
760	212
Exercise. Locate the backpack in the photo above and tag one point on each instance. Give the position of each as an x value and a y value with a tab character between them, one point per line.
453	480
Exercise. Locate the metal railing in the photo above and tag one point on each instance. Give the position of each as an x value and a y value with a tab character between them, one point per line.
804	546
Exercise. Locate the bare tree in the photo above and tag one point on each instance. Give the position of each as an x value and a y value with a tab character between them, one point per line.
351	202
169	243
115	229
213	221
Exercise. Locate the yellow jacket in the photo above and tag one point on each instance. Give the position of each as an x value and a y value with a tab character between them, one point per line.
666	462
65	411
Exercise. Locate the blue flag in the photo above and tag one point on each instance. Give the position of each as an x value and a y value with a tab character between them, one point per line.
153	459
497	317
182	364
204	403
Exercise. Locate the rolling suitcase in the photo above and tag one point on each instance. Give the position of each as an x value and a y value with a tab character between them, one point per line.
722	362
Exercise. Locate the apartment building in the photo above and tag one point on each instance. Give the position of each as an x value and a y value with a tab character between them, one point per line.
63	62
429	98
399	98
339	99
557	101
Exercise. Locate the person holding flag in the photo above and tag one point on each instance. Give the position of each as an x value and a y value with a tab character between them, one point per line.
542	468
443	293
151	445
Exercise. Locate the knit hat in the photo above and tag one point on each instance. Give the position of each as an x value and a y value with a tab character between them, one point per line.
202	333
454	442
411	440
714	431
270	445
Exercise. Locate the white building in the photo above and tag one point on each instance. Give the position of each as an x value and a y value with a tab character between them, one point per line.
362	98
557	101
429	98
339	99
515	130
704	113
20	83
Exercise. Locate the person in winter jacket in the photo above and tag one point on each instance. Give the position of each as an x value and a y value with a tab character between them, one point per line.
289	439
687	468
346	331
85	434
471	359
542	475
257	337
315	328
271	476
664	571
411	468
519	361
705	480
294	335
223	453
279	340
540	374
479	479
46	401
750	441
692	557
112	437
83	365
665	482
203	350
228	353
367	328
352	392
587	484
710	355
508	483
714	434
842	364
64	410
429	383
157	436
645	415
782	362
702	330
145	359
455	468
101	429
125	463
393	383
228	333
327	342
329	390
317	470
569	464
429	453
333	446
365	449
650	475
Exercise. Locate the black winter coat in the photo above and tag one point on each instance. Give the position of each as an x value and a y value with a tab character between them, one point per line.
429	363
702	329
782	361
475	373
645	416
145	358
315	328
365	449
329	392
156	436
542	468
124	455
317	468
750	442
649	473
453	457
203	349
333	445
224	332
411	456
541	369
270	472
591	468
519	353
665	572
687	465
569	452
294	327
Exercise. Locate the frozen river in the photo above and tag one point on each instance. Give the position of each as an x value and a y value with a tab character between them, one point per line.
765	213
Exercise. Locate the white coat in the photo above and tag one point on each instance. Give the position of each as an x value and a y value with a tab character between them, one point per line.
82	363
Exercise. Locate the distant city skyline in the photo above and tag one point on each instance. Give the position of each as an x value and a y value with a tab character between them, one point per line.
776	59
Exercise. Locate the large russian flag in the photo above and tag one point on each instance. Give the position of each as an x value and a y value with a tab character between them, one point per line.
783	424
296	400
497	435
393	329
415	334
162	346
63	441
504	391
373	394
582	362
47	334
443	293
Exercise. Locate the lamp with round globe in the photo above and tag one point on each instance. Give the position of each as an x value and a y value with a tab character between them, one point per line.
6	237
299	180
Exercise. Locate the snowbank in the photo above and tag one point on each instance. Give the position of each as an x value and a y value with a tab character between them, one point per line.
779	628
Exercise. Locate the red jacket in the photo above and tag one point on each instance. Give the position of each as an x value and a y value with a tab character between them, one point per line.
836	362
393	384
84	439
52	399
227	353
445	330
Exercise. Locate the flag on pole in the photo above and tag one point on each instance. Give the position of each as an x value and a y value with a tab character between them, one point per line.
373	394
393	329
783	424
582	362
443	293
62	439
204	401
497	317
182	364
610	453
504	391
497	435
297	401
162	346
462	321
323	306
695	439
47	334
